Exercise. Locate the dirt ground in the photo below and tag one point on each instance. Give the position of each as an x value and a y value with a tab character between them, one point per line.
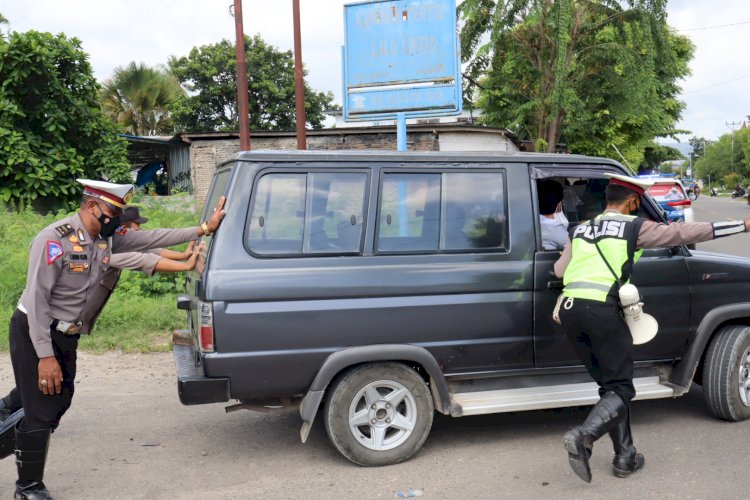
128	437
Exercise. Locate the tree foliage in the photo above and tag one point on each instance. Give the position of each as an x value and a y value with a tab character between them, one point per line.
589	73
209	75
723	161
655	154
139	99
52	129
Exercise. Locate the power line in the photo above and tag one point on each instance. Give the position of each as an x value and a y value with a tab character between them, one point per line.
713	27
717	84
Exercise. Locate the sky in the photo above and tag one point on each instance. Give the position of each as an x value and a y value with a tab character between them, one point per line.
116	32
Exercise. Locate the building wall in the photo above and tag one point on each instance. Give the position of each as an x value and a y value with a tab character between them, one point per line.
453	141
207	153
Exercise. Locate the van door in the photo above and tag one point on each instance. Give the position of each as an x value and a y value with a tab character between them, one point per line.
661	276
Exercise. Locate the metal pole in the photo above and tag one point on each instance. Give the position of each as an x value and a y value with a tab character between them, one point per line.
401	131
243	107
299	83
731	127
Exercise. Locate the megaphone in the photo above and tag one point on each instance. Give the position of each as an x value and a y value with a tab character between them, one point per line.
642	326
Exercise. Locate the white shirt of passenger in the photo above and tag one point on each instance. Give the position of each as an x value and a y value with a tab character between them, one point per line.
554	234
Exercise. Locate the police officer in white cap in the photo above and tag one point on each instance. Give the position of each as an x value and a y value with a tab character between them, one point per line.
66	262
601	256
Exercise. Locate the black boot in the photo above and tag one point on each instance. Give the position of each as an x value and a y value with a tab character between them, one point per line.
8	433
627	460
10	404
31	454
579	441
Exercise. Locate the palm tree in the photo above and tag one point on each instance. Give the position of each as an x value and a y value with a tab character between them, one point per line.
139	99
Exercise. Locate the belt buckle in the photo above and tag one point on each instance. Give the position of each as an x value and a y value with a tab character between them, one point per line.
68	328
74	328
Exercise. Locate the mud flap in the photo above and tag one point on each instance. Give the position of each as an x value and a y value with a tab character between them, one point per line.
8	433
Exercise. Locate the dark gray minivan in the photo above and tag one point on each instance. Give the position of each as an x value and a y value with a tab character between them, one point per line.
375	288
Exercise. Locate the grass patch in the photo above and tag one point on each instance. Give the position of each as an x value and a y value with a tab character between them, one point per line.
139	316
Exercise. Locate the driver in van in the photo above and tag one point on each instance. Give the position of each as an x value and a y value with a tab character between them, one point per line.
591	317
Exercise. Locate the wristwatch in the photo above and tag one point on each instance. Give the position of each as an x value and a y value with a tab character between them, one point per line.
204	226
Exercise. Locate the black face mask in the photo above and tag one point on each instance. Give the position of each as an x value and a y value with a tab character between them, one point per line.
109	224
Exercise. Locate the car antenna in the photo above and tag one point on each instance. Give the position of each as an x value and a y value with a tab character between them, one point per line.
625	161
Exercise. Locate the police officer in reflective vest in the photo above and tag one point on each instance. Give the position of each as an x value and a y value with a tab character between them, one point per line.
67	261
591	316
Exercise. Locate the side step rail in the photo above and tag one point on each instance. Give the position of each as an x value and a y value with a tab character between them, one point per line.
543	397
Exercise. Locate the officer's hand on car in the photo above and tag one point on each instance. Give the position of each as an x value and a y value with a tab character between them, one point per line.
215	220
194	257
50	376
188	251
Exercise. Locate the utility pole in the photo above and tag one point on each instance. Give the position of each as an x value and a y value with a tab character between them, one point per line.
299	83
731	126
243	108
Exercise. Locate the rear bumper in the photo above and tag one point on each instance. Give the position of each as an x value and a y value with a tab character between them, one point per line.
193	387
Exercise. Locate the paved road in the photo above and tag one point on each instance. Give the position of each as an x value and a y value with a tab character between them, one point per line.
128	437
709	209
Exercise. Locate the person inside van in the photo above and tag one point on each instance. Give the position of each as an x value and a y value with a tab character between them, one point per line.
553	221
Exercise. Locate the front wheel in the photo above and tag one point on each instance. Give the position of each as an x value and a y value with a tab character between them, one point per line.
726	374
379	414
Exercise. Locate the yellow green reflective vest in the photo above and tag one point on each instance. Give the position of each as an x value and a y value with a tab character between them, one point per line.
587	275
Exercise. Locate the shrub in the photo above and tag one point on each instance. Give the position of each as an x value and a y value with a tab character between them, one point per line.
141	313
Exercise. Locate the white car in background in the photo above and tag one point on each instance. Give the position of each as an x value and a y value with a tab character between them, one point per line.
673	198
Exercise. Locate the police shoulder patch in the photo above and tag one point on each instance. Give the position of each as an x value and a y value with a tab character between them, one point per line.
54	251
64	229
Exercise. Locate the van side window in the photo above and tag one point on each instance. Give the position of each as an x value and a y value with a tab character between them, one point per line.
312	213
442	212
409	213
473	211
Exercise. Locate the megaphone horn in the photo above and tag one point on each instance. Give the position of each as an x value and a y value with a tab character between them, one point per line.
643	327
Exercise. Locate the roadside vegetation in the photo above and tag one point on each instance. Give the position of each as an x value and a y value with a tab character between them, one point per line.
140	315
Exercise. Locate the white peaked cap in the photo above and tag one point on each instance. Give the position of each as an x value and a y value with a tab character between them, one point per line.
115	194
633	183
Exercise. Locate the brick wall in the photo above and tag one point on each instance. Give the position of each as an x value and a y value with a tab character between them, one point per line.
206	153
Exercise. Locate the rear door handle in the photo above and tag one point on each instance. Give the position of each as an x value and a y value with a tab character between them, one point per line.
555	285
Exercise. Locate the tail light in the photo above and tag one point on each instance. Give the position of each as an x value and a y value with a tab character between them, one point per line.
681	203
206	313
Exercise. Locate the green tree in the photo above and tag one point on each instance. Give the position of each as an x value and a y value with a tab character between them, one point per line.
52	129
655	155
589	73
698	147
139	99
717	159
209	75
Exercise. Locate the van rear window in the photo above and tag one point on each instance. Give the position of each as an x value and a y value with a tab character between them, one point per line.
217	189
309	213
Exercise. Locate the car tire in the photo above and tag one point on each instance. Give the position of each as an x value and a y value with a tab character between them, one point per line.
379	414
726	374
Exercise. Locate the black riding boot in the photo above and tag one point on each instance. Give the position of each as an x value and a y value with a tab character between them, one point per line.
627	460
579	441
10	404
31	454
8	433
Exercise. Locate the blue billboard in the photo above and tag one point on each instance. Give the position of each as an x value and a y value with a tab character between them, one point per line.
401	56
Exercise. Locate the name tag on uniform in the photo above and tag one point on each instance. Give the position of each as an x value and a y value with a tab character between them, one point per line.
76	267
